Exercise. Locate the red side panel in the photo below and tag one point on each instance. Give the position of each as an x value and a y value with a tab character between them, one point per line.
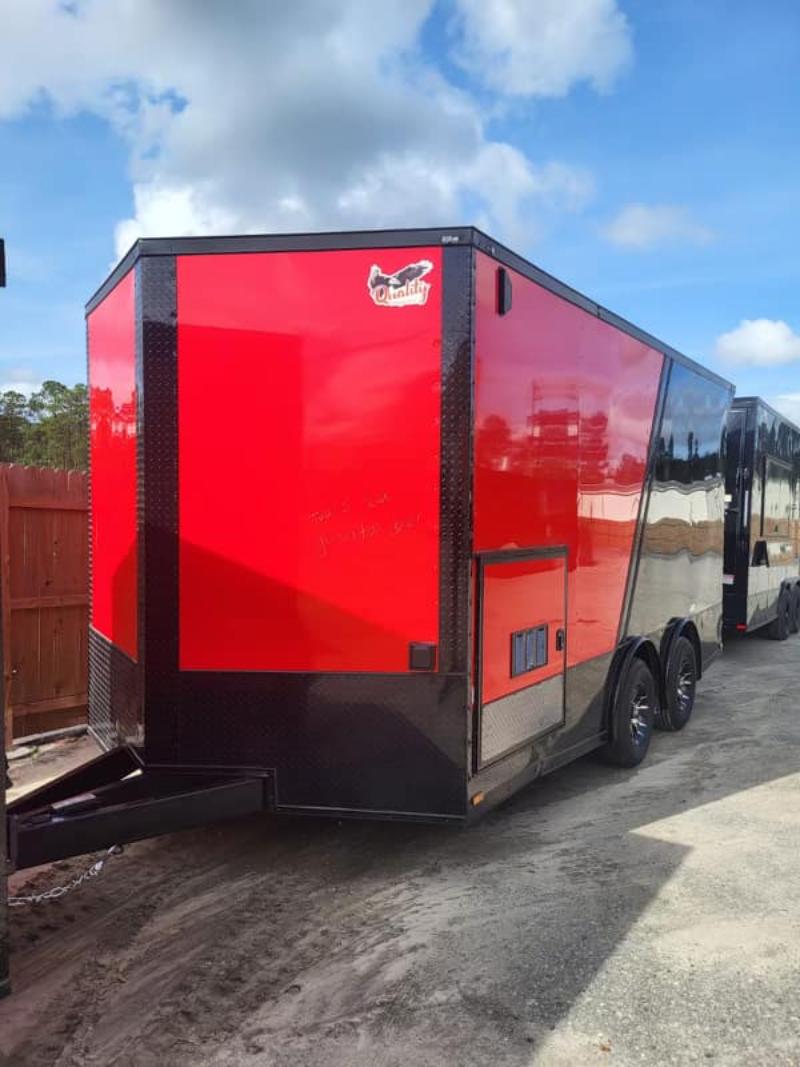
112	421
308	428
564	407
518	596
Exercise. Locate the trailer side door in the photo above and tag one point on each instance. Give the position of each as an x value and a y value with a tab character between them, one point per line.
521	649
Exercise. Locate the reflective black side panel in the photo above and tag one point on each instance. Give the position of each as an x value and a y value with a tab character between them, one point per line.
649	474
113	694
158	503
680	565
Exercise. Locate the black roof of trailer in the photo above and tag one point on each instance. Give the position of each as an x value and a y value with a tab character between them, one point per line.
760	402
397	238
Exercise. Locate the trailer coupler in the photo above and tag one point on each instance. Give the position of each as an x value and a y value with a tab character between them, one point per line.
116	798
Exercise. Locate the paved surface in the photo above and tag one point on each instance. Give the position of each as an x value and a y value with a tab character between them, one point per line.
601	917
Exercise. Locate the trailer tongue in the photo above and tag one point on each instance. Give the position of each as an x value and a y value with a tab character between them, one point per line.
115	799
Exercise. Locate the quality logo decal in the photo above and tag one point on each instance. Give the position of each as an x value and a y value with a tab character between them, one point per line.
401	289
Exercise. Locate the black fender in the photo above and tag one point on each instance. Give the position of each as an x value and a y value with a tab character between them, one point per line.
680	628
631	648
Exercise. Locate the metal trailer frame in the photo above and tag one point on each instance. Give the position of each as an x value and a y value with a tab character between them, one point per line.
116	798
192	768
762	552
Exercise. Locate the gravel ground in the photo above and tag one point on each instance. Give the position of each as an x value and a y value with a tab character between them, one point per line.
600	917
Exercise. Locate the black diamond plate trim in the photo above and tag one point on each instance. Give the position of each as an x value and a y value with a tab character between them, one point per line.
456	459
388	742
156	301
113	693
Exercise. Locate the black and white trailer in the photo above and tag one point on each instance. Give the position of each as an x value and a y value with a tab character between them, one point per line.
762	520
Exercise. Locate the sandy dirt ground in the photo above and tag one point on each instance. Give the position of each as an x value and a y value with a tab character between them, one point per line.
600	917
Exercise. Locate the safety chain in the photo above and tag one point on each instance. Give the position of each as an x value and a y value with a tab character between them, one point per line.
61	890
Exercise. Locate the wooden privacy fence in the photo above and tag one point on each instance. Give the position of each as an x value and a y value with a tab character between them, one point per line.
44	570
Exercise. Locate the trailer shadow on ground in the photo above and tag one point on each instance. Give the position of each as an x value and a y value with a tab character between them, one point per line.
599	913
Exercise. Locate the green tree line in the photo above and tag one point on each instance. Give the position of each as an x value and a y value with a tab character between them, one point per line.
49	428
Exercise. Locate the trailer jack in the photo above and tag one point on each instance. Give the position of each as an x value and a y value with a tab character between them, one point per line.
115	798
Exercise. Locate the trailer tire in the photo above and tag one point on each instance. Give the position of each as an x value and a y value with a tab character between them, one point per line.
779	628
632	716
680	684
794	597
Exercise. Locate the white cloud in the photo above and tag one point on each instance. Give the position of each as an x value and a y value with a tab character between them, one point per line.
788	404
651	225
167	210
542	47
26	388
19	379
318	114
759	342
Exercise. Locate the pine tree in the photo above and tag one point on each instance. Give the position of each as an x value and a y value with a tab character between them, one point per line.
48	429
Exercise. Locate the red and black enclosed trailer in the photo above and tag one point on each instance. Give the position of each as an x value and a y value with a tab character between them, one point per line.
762	520
383	524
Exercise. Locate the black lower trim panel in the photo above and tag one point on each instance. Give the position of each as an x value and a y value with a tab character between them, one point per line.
372	742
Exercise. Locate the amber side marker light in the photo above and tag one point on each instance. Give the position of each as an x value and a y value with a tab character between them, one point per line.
477	799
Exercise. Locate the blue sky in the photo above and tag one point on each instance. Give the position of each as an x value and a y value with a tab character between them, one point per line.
645	153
